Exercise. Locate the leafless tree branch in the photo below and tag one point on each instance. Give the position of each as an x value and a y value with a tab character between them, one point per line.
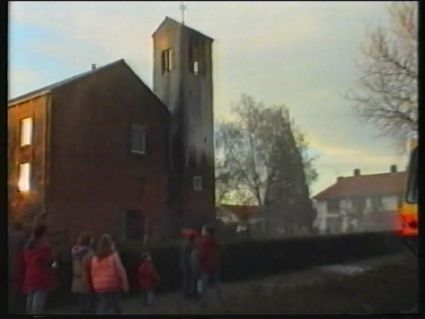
387	95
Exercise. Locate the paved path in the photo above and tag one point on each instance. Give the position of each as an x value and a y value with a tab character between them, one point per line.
173	303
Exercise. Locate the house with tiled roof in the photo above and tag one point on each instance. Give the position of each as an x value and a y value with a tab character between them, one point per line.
361	202
243	215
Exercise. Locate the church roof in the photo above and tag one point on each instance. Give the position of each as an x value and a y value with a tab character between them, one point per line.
170	21
48	88
51	87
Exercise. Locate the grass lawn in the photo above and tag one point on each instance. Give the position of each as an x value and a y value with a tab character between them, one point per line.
387	289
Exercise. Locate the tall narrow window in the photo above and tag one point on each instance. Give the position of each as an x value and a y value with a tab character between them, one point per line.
196	67
170	59
24	180
195	56
26	131
138	139
197	183
167	60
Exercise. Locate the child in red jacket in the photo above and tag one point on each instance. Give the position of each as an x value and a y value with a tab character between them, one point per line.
148	279
39	276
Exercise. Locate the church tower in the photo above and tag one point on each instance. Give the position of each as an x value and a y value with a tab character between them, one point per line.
182	79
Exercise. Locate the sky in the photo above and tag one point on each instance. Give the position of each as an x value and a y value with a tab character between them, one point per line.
299	54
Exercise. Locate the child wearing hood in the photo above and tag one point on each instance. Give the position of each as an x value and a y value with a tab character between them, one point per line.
148	278
82	253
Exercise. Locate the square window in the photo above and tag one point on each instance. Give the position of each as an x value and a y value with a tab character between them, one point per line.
138	139
197	183
24	179
376	203
333	206
26	131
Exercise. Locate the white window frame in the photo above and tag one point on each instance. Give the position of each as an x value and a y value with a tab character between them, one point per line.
139	128
197	183
26	131
24	177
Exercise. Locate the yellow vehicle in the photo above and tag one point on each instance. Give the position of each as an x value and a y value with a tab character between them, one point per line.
408	215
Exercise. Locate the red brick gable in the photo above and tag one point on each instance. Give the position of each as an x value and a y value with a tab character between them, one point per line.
365	185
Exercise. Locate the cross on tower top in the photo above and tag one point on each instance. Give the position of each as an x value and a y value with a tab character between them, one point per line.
183	8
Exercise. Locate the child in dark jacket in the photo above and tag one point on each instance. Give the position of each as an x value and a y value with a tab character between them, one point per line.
148	278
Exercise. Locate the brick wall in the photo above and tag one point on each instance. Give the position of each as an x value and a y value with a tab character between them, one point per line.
94	177
34	153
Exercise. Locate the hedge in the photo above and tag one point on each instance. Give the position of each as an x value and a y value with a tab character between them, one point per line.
245	260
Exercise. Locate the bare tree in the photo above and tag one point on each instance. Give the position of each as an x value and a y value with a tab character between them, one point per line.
227	188
247	149
237	169
260	161
387	95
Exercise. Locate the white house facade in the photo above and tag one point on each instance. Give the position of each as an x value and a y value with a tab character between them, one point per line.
360	203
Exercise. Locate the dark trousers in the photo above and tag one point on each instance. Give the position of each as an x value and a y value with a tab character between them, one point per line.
15	299
148	297
109	301
209	282
86	303
190	279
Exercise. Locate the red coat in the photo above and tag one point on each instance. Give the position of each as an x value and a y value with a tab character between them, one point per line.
208	254
148	276
38	271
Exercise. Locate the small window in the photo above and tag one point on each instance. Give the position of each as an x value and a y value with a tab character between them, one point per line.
166	61
377	203
26	131
138	139
24	179
333	206
197	183
196	67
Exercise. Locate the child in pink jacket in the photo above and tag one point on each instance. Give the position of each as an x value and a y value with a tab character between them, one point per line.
108	276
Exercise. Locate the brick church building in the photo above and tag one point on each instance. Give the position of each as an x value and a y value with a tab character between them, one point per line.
103	152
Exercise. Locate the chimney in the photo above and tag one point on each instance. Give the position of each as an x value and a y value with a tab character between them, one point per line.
393	168
93	67
356	172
